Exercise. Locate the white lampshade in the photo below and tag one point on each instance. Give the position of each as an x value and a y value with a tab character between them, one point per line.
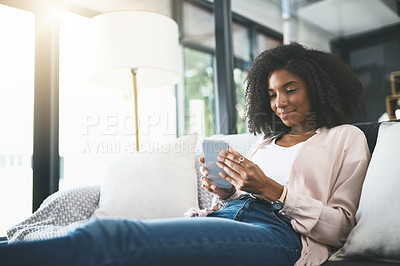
143	40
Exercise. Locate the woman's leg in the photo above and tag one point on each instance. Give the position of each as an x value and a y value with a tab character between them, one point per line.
186	241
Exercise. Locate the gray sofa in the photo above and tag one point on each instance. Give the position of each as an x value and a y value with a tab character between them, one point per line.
64	211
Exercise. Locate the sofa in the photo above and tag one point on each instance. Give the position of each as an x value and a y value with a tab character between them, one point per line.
374	241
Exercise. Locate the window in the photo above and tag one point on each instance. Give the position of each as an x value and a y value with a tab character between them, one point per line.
239	76
243	61
198	26
198	55
17	50
265	42
199	92
241	42
198	40
242	53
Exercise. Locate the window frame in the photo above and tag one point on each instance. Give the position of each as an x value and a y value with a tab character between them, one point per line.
254	29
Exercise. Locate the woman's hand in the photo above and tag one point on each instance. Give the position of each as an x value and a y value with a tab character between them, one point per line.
247	176
222	193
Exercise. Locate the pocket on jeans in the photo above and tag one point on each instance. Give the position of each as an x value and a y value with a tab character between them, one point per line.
232	203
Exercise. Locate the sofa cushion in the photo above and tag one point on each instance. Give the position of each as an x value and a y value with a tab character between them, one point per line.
370	130
151	184
59	214
377	234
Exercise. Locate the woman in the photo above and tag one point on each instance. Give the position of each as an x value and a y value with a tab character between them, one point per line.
309	157
293	198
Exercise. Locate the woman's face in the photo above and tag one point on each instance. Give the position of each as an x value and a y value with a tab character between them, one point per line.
290	100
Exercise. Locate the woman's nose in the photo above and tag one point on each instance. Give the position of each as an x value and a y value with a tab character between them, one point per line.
281	101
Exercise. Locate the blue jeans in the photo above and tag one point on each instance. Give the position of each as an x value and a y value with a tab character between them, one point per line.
243	232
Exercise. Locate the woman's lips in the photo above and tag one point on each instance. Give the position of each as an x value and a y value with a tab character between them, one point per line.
285	115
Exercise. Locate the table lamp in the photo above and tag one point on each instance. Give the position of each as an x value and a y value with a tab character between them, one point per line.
135	49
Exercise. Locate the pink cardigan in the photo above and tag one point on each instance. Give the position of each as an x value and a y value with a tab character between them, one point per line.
324	189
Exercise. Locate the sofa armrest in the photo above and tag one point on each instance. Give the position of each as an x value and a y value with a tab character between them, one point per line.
3	241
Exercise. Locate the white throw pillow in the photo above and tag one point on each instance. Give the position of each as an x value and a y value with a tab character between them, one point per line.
148	185
377	233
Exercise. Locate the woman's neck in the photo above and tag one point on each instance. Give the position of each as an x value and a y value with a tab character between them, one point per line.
301	130
293	138
301	133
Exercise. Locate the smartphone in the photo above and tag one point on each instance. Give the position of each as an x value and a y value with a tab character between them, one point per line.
211	149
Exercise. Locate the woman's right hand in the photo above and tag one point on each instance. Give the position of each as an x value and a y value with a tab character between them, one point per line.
222	193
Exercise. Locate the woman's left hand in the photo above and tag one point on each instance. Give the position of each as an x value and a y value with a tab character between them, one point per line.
247	176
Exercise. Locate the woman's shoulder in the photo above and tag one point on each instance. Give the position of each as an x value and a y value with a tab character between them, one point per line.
346	133
341	139
345	129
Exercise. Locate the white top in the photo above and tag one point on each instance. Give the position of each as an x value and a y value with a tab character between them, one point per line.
276	167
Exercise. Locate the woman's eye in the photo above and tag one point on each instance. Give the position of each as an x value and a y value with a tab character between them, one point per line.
272	95
291	90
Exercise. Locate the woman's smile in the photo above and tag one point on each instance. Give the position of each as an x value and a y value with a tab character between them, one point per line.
286	114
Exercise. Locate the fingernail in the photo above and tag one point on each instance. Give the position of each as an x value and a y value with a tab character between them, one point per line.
219	164
212	187
219	158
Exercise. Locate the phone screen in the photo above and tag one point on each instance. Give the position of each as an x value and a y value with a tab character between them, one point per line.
211	149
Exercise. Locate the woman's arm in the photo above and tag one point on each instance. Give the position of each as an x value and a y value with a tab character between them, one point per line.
323	202
330	223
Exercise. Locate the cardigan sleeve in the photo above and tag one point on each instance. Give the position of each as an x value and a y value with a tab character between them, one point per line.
331	221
